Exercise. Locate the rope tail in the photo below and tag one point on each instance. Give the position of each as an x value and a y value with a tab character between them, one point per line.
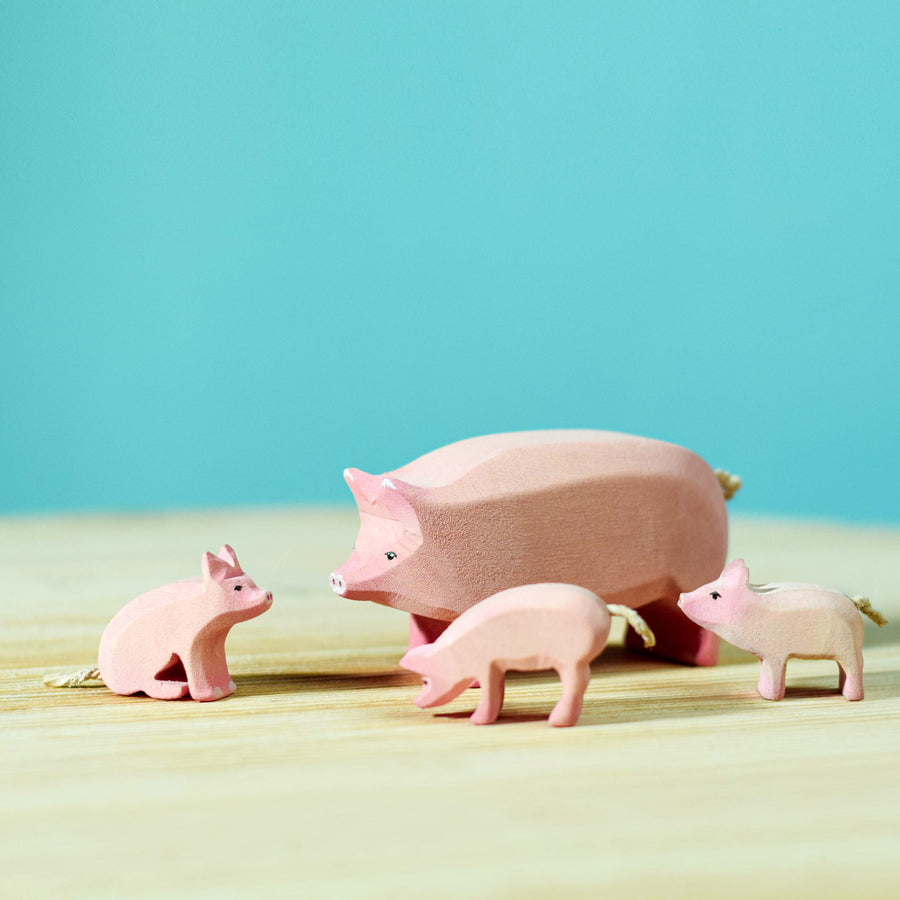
865	607
635	621
729	483
73	679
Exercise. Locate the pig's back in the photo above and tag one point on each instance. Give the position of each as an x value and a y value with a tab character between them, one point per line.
450	463
629	518
790	604
126	625
559	620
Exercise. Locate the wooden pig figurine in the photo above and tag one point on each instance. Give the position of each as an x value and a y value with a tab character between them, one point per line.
635	520
527	628
170	642
781	620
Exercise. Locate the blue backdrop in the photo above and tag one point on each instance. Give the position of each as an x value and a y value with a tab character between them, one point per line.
244	245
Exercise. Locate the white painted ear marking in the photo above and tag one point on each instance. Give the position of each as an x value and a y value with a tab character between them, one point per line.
387	483
348	475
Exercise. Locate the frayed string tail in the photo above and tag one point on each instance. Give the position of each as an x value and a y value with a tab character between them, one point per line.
73	679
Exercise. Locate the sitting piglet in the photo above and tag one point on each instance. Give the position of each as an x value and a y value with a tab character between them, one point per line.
170	642
527	628
781	620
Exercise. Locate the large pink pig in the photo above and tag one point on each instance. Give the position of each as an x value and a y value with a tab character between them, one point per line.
634	520
170	642
783	620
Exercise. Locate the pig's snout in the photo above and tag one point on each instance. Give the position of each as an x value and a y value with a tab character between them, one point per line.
268	598
337	583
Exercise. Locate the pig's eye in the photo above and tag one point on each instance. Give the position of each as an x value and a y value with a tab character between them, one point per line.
237	587
390	554
715	595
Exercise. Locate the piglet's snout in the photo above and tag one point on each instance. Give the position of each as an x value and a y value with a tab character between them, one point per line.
337	583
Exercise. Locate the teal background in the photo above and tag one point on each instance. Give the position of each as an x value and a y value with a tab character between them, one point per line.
244	245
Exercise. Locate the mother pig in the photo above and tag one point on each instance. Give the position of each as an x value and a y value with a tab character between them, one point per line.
634	520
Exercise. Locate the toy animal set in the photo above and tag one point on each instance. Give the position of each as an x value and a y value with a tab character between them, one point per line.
500	548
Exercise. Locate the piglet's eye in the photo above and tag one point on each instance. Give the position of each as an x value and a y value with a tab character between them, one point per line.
237	587
390	554
715	595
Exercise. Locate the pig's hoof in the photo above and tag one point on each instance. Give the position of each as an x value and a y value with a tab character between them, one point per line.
478	718
768	693
853	692
562	720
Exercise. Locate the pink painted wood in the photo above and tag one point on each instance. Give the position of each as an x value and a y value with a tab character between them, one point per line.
783	620
170	642
635	520
527	628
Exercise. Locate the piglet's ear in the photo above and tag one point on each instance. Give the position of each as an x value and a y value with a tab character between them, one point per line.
415	658
229	556
213	568
737	573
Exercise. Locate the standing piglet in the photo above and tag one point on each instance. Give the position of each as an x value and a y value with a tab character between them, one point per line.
781	620
527	628
636	521
170	642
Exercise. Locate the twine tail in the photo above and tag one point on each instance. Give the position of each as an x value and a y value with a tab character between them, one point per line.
865	607
729	483
73	679
635	621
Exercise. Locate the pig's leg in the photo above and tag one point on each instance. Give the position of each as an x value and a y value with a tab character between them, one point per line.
771	677
207	671
574	683
677	637
169	681
166	690
423	630
491	702
850	678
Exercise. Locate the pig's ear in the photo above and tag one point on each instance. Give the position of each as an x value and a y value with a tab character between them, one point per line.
401	499
737	573
363	486
226	554
416	659
213	568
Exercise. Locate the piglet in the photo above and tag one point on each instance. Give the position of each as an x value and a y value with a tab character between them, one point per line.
170	642
780	620
527	628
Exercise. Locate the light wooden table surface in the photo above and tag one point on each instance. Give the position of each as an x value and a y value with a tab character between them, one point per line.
319	777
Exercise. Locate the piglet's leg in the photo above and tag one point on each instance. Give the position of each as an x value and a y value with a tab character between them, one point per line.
850	678
771	678
491	702
574	684
170	682
166	690
423	630
677	637
207	670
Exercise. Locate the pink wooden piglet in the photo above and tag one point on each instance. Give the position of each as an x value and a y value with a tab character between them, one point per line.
527	628
780	620
170	642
